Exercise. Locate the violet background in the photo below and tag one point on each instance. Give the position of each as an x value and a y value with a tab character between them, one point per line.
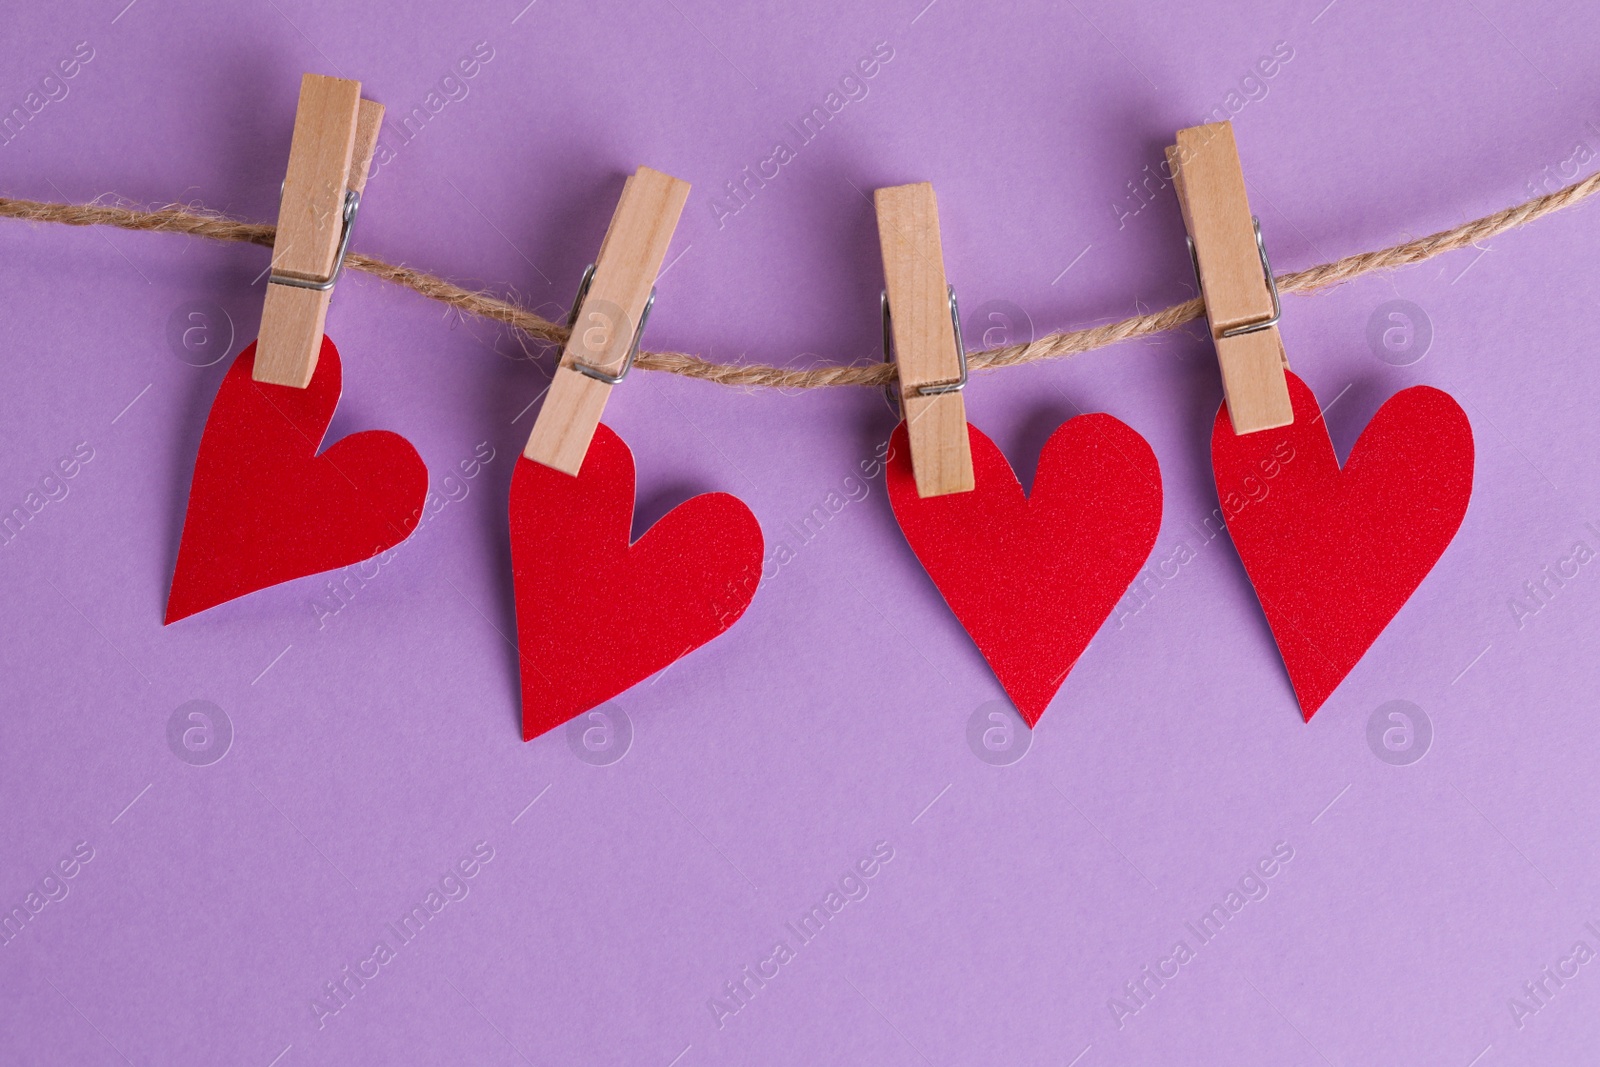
371	754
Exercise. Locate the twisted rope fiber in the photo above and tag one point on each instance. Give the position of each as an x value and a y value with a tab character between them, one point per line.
197	222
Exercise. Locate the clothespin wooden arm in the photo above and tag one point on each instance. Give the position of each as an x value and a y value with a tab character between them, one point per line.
927	349
1234	276
335	133
608	318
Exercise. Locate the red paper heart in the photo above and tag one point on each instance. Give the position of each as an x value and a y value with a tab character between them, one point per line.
265	508
1032	578
596	615
1334	554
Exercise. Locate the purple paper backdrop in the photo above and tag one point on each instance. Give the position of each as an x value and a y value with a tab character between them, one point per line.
370	743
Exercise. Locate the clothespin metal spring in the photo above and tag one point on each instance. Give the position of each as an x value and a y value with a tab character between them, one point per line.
935	389
352	204
1266	270
588	369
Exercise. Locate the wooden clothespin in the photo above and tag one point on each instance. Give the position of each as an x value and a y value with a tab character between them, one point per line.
335	132
919	318
1235	277
608	318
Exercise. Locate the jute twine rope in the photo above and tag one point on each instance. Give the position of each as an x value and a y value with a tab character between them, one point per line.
198	222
